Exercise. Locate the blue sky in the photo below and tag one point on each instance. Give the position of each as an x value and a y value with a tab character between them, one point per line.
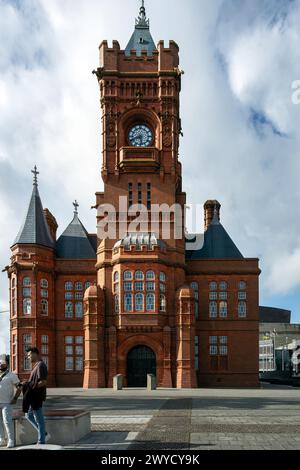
241	130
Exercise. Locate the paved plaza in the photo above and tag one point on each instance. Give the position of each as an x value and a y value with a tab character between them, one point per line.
203	419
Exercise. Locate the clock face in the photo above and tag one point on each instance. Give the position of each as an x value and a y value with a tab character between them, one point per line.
140	136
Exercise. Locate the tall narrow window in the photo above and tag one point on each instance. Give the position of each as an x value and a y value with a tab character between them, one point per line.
139	302
242	309
14	352
162	303
78	310
128	302
44	307
150	302
149	196
130	195
223	309
140	194
13	297
68	309
27	342
116	290
27	306
213	309
45	349
195	287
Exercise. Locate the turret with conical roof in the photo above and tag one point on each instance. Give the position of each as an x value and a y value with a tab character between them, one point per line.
75	242
35	230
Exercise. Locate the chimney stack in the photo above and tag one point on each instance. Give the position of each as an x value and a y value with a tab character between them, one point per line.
52	224
209	210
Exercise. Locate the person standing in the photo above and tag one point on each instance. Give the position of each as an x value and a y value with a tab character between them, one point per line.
8	397
34	394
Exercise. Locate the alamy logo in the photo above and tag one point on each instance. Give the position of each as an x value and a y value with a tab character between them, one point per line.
166	222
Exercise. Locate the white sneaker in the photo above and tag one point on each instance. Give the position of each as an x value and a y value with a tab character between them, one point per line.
2	442
48	437
10	444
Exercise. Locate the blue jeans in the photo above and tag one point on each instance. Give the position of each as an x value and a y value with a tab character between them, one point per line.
36	419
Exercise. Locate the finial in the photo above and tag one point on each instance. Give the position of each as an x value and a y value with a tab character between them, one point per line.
142	20
35	173
76	205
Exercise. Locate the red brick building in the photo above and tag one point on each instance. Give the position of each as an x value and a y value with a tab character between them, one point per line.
140	302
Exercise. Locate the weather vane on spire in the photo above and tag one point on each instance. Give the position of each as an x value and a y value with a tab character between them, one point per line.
35	173
76	205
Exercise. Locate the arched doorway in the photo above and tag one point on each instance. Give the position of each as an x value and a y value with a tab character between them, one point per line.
141	361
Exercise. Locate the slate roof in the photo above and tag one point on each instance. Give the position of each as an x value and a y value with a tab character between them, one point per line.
35	230
75	242
141	38
217	244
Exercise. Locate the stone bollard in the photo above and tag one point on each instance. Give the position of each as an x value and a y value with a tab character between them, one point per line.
151	382
118	382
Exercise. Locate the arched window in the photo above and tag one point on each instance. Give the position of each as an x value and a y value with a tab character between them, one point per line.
68	309
150	275
242	309
242	285
127	275
27	306
223	285
162	277
213	286
44	283
139	275
44	305
223	309
78	286
139	302
128	302
116	276
68	285
87	285
213	309
162	303
150	302
26	281
78	310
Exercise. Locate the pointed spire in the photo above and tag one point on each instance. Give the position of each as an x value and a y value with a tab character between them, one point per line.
141	39
35	230
75	242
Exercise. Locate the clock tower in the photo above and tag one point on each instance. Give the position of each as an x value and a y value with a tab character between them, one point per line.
141	266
